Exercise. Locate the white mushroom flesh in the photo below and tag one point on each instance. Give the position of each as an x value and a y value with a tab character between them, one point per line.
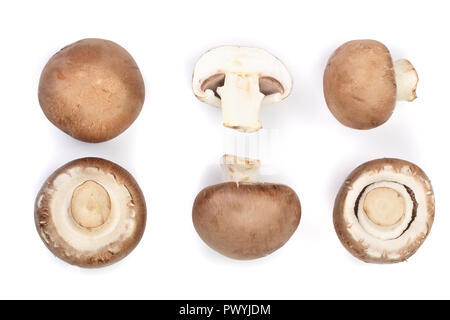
240	96
88	230
241	102
406	79
239	169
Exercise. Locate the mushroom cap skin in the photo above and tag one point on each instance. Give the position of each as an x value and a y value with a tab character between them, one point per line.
247	220
350	230
92	90
275	81
93	247
359	84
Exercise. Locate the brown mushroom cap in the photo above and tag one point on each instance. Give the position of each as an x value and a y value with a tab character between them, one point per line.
77	193
92	90
409	234
359	84
246	220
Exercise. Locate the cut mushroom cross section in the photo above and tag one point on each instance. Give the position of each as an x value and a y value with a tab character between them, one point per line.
90	212
239	80
384	210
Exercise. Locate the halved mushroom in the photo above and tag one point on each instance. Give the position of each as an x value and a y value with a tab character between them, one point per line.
92	90
90	212
238	80
361	83
384	210
245	220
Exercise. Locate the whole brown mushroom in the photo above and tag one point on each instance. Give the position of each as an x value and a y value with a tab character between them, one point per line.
90	213
92	90
384	210
361	83
244	219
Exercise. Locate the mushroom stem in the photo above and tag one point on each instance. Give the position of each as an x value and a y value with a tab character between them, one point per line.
384	206
90	205
385	209
239	169
241	101
406	78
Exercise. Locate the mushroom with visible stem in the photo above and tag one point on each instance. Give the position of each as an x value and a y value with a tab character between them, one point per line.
92	90
361	83
90	212
238	80
384	210
242	218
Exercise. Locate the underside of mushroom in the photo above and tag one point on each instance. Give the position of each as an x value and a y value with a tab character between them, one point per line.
384	210
90	212
238	80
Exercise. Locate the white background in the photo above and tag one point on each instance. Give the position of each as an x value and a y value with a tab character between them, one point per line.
174	146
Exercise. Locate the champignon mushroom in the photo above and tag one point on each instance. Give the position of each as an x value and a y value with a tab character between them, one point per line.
90	212
244	219
361	83
92	90
238	80
384	210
